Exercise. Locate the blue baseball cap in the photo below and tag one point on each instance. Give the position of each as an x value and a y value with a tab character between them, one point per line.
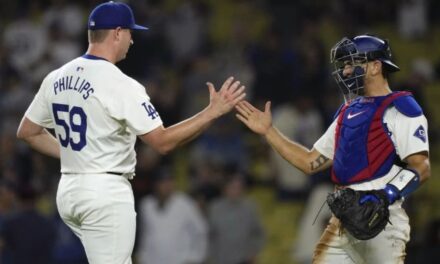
111	15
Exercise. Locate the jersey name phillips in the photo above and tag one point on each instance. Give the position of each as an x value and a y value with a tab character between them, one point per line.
72	83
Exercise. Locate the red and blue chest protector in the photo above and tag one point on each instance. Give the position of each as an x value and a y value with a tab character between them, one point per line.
363	148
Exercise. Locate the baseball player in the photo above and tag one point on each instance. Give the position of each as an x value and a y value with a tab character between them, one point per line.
377	142
97	113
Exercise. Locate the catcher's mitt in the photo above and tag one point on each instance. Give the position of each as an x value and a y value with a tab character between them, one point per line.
363	218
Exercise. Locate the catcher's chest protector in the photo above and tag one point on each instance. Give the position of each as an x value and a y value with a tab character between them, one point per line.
363	147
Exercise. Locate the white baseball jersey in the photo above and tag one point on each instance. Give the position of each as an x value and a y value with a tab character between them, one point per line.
97	111
409	135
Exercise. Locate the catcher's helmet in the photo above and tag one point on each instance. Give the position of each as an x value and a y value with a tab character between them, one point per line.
355	51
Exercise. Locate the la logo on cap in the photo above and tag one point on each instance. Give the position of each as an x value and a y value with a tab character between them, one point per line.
92	23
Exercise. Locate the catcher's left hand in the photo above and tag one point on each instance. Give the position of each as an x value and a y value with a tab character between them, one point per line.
362	213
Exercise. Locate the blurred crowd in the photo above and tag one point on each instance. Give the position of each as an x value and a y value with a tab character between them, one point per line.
276	48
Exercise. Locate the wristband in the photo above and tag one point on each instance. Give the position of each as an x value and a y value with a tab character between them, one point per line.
402	185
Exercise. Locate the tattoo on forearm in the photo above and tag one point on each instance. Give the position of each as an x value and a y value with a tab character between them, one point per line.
316	164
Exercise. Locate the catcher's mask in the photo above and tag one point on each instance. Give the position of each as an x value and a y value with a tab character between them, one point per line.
355	52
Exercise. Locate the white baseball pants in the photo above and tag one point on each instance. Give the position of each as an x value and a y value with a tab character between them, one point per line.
337	246
99	208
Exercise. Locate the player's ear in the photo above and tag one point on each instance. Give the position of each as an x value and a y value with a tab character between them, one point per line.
377	67
117	34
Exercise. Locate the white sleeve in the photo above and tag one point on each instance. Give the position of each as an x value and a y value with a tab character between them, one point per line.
326	143
133	106
39	110
410	134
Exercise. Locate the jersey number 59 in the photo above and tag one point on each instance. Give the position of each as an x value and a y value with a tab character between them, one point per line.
76	123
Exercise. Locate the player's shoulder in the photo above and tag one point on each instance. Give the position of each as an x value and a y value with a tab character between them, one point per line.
55	74
133	82
335	116
407	105
51	75
120	79
95	66
46	84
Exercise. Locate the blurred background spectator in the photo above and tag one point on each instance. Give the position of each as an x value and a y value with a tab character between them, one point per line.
300	120
236	233
68	248
278	49
27	236
172	228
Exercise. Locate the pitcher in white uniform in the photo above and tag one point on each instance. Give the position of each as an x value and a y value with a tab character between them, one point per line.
378	140
97	113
